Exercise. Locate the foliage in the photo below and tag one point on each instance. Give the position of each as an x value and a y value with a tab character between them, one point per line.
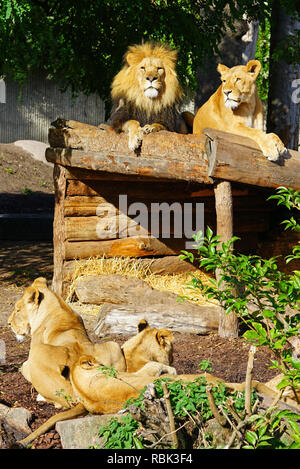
259	293
186	398
81	44
263	55
119	434
274	429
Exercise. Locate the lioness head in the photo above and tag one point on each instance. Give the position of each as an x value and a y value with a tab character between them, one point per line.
150	344
238	83
26	309
148	78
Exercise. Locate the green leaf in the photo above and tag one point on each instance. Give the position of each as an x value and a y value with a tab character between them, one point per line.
251	437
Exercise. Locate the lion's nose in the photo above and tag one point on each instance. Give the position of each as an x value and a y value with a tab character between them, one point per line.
151	78
228	92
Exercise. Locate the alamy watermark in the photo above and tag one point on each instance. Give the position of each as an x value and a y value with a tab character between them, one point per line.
2	91
296	93
158	219
2	352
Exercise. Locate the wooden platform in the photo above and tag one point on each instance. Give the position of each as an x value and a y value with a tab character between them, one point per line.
93	167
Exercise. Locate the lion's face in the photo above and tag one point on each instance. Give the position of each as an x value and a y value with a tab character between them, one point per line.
25	310
150	344
148	78
238	83
151	76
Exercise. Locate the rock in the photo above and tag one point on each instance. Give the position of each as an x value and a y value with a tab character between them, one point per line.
82	433
16	417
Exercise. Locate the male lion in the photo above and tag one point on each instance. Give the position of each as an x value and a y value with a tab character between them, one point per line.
146	93
58	339
236	108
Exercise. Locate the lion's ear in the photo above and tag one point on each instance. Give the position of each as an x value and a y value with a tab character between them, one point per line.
164	337
87	361
131	58
33	295
222	68
143	324
253	67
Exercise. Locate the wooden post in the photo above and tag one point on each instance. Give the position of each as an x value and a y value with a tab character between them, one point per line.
59	228
228	323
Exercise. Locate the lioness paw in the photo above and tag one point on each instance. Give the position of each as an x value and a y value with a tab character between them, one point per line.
273	147
135	139
166	369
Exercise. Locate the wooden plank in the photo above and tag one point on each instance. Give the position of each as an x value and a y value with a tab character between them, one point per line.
236	158
127	247
84	206
191	170
58	228
143	190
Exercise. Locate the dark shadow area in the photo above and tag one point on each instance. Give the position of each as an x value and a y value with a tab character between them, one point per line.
24	261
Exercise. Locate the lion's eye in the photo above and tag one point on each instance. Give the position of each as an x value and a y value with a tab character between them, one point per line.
159	69
143	68
224	81
237	79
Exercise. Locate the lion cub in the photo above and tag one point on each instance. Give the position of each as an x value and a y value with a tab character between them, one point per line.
236	108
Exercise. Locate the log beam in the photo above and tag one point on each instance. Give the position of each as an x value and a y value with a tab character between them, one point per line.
235	158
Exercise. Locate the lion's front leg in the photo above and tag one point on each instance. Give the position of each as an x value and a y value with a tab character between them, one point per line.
270	144
135	134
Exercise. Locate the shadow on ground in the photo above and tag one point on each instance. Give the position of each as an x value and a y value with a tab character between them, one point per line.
21	262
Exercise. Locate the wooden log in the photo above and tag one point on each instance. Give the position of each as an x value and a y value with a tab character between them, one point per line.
235	158
228	323
143	190
127	247
85	206
122	319
190	170
160	306
58	228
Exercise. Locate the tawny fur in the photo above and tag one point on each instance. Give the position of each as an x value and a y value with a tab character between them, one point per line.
146	93
236	108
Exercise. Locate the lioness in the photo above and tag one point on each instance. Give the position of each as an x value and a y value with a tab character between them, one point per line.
59	338
236	108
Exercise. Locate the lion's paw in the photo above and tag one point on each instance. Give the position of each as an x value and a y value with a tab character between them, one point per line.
135	140
166	369
273	147
148	128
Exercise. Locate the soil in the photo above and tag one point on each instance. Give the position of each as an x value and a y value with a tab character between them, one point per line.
21	262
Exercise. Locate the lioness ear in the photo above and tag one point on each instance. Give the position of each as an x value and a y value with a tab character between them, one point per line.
164	337
253	67
87	361
33	295
143	324
222	68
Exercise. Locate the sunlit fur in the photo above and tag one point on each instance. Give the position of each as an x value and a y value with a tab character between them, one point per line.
130	83
236	108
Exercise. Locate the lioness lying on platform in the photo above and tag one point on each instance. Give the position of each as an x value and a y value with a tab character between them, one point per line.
236	108
59	339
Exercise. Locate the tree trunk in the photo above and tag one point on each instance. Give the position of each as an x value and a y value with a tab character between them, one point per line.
283	100
228	323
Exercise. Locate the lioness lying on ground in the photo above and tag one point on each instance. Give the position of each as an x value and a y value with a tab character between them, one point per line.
236	108
59	339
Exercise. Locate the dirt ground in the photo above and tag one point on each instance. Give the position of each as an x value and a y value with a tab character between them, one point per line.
21	262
